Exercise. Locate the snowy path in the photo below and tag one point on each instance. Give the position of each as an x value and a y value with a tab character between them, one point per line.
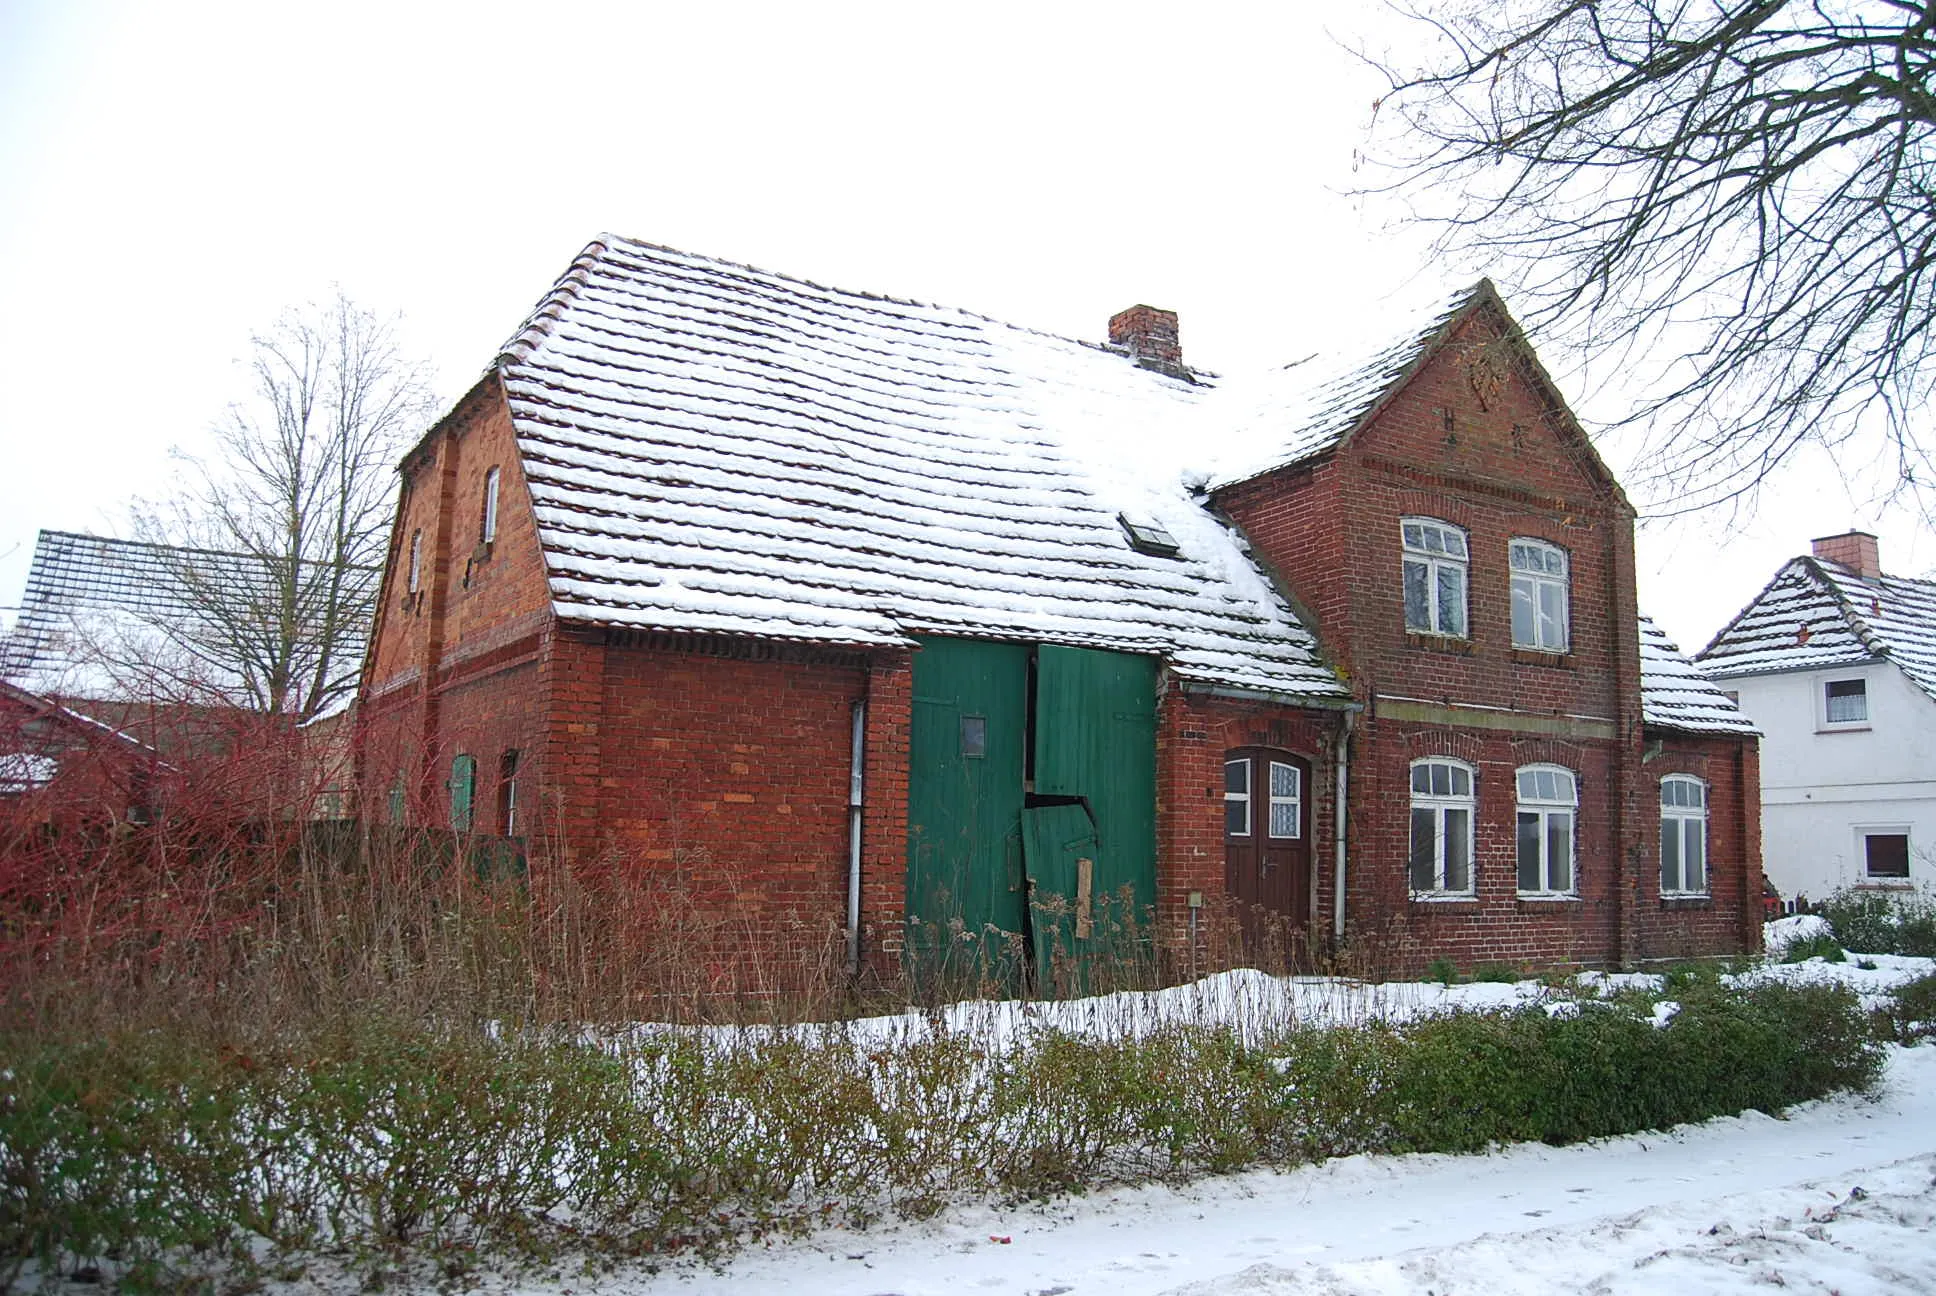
1716	1207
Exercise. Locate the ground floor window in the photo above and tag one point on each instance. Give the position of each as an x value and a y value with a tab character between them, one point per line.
1683	836
1442	806
1549	800
1885	854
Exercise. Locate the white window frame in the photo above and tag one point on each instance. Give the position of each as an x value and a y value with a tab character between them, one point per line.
416	559
1545	810
1862	834
1442	557
1231	795
488	531
1439	804
1295	800
1541	573
1687	825
1825	722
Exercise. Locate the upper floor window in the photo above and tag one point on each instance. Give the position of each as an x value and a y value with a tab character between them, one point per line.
1549	799
1442	805
1845	702
1539	589
416	560
1435	571
507	794
1683	835
488	532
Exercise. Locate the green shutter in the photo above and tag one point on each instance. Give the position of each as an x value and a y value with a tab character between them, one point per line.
1095	738
463	790
967	749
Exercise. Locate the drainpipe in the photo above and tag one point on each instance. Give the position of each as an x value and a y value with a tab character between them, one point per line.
1342	818
857	764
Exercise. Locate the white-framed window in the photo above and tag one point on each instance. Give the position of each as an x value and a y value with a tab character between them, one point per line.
1683	835
416	560
1435	576
1442	809
1236	797
488	531
1539	595
1885	853
1549	801
1845	703
1286	801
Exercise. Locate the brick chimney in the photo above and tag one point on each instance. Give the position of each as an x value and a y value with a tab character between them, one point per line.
1149	335
1855	550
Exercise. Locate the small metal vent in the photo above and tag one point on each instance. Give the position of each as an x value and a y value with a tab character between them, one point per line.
1146	536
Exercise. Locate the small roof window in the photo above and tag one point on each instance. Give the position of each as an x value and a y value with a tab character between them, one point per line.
1147	536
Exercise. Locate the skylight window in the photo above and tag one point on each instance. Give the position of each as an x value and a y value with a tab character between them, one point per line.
1147	536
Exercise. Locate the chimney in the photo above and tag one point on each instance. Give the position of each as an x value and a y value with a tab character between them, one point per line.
1149	335
1854	550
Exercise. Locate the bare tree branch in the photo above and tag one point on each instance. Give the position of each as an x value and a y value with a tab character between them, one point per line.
1741	192
301	487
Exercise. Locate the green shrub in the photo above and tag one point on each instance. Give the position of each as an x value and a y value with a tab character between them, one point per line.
1868	921
1911	1016
1822	945
167	1152
1442	970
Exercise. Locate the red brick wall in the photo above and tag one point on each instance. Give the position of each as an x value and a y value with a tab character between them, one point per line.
1729	918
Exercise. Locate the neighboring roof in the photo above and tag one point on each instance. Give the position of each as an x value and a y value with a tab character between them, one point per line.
1849	620
109	620
22	772
716	449
1674	694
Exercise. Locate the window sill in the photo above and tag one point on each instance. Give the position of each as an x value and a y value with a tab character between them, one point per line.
1686	900
1429	642
1541	657
1547	897
1854	726
1885	884
1445	898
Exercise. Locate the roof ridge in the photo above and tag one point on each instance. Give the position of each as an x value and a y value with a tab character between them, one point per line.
555	301
1746	608
1865	633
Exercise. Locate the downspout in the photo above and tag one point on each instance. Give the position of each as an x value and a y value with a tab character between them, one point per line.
857	764
1342	817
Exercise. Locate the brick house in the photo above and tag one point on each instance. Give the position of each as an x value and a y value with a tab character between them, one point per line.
58	766
906	623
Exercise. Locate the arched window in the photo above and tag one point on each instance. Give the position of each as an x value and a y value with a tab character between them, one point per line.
1442	805
1549	800
1539	596
1435	569
488	532
1683	835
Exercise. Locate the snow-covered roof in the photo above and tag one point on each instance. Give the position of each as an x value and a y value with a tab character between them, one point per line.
1674	694
1302	410
1816	613
716	449
22	772
111	620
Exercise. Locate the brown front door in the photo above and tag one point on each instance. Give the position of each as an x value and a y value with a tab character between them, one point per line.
1267	836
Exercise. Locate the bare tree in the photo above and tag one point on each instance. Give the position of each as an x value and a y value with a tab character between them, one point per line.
283	531
1733	195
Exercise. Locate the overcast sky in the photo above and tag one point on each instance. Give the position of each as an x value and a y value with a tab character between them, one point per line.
173	176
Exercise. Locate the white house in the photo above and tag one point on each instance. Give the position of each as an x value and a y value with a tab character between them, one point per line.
1836	664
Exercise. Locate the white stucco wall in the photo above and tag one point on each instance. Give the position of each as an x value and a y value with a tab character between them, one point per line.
1824	786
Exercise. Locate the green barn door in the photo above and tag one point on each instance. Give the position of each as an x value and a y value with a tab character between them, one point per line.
1095	739
968	746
